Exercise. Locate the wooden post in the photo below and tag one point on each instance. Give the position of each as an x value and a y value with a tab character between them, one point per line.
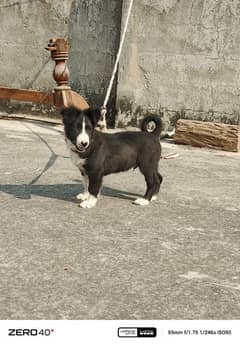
26	95
63	95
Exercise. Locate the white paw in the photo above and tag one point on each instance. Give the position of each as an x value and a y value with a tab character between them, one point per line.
154	197
89	203
141	202
82	196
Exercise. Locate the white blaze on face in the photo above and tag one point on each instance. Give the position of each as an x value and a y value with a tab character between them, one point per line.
83	138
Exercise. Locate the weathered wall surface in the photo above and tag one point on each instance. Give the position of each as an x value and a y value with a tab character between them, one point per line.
94	32
26	26
92	27
182	58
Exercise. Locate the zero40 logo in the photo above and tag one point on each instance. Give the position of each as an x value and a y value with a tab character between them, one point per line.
32	332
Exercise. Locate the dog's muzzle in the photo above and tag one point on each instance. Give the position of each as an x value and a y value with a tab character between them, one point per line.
78	149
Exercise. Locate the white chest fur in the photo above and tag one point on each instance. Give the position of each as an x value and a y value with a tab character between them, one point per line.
79	162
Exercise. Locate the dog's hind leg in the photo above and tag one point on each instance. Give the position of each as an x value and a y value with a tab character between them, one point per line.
153	181
159	179
149	192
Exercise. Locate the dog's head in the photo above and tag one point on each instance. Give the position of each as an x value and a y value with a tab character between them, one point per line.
79	127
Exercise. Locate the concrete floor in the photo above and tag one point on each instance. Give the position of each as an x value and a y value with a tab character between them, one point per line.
178	258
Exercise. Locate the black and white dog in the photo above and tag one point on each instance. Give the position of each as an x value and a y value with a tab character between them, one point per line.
97	154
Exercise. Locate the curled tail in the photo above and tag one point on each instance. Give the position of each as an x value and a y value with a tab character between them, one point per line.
152	124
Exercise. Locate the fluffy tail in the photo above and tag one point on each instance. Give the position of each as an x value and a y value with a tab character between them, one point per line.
152	124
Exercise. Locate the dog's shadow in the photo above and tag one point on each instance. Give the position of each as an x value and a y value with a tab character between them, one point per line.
65	192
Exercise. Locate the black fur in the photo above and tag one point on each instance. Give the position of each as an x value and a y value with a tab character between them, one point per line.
112	153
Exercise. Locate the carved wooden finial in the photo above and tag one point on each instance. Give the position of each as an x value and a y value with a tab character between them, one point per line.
59	53
63	95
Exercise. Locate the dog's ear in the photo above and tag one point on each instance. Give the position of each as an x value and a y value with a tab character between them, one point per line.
68	114
94	115
65	112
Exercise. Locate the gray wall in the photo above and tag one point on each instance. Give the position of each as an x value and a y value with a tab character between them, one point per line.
25	28
181	58
94	32
93	29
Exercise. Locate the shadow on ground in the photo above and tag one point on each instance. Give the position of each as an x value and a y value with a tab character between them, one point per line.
65	192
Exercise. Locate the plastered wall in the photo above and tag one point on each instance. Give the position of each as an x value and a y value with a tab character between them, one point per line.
181	59
93	30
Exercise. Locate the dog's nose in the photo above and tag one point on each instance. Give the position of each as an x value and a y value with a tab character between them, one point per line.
84	143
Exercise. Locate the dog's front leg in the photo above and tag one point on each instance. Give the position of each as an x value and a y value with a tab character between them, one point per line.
84	196
94	187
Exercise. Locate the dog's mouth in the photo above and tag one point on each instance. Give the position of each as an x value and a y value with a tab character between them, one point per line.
78	149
